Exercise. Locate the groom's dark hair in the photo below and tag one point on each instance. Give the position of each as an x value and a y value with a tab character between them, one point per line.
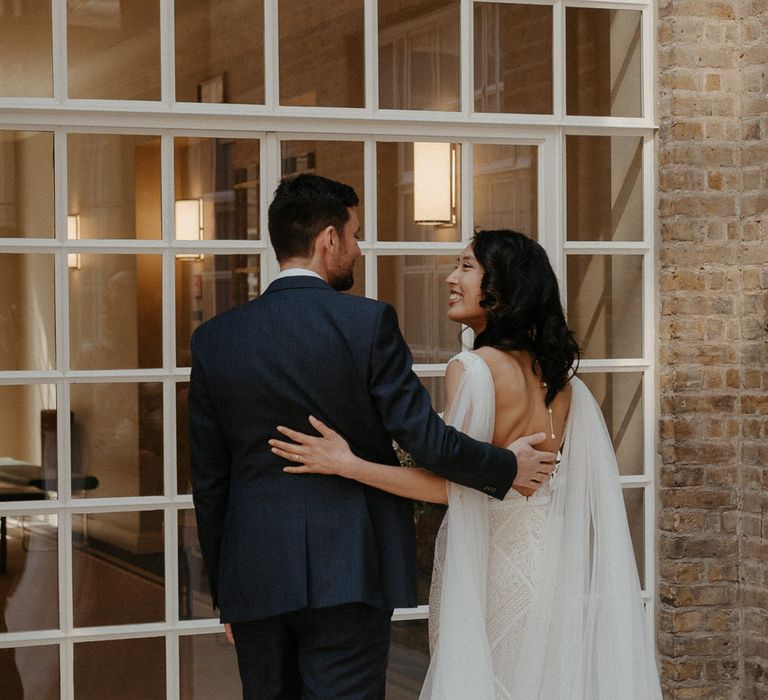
302	207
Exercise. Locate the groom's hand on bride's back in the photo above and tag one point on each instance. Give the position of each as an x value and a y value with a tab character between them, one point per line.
533	467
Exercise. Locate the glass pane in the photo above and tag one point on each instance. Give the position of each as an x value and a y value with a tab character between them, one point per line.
117	569
117	446
415	285
604	188
436	388
26	184
29	568
418	197
27	324
605	304
208	668
223	174
28	452
620	396
505	187
113	185
183	477
427	517
419	54
30	672
26	53
123	669
115	316
113	49
513	58
322	61
220	51
338	160
408	660
194	591
602	62
633	500
207	285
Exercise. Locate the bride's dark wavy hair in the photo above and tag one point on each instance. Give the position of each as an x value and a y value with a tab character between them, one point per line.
521	299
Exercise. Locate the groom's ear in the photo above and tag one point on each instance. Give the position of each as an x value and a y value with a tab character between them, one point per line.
327	237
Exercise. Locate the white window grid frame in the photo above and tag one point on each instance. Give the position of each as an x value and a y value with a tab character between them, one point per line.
276	123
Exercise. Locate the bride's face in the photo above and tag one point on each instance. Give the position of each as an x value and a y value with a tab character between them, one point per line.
465	293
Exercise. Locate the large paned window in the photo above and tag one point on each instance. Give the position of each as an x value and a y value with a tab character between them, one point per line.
140	143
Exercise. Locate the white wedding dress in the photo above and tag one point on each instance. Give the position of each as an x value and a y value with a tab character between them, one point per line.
538	599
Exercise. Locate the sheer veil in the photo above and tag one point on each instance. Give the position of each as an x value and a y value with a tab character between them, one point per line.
586	636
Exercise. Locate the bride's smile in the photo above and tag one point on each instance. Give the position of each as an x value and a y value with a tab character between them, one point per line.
465	292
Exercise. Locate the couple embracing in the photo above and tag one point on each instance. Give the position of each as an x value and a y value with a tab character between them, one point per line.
308	540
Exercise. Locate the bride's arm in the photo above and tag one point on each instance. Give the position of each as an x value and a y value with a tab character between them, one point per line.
330	454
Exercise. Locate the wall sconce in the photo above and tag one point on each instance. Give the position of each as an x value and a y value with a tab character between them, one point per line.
434	183
73	234
189	224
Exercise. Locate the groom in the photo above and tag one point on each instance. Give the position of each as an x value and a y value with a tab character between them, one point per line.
307	570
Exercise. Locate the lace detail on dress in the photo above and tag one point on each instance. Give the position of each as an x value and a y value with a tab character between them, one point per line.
516	525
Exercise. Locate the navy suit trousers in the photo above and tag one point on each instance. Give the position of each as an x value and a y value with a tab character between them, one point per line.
315	654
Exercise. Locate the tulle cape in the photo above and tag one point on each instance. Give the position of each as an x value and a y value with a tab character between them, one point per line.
587	636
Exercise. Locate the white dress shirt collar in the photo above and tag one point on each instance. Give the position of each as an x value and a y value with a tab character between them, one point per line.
298	272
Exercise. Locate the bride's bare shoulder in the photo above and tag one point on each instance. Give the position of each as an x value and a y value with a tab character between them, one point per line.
506	367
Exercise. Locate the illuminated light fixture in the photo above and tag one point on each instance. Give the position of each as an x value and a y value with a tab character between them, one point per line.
189	224
434	183
73	234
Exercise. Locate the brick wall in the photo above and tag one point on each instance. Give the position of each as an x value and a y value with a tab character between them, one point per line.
713	224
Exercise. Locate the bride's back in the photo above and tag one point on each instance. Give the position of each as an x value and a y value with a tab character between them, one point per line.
520	393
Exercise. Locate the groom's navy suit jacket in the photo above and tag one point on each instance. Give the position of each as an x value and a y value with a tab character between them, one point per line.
275	542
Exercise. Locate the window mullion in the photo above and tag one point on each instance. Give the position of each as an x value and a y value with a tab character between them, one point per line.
167	53
271	54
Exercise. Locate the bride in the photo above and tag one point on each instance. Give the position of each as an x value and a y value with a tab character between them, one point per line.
535	597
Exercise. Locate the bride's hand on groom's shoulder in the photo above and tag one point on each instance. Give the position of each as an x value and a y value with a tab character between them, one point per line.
327	454
533	466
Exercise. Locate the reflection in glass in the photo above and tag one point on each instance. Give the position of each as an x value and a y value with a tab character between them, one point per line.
26	51
513	58
208	668
113	185
194	591
419	54
29	568
505	187
30	672
602	62
119	429
604	188
123	669
321	53
220	51
115	316
113	50
27	324
408	659
605	304
396	218
634	500
26	183
415	285
224	173
206	286
338	160
118	569
620	395
27	434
